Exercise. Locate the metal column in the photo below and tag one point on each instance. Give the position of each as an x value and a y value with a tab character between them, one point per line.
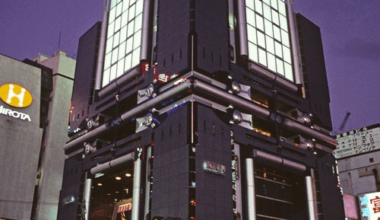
239	205
136	185
147	184
87	197
295	48
250	189
102	42
311	196
242	25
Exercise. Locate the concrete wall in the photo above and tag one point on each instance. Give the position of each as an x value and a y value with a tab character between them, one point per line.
20	143
52	160
356	173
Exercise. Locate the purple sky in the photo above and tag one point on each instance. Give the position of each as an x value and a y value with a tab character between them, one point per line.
350	32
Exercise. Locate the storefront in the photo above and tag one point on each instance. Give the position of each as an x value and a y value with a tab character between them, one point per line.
111	196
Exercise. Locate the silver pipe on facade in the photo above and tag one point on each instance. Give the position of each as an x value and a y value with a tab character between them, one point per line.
295	47
242	23
154	39
113	163
231	22
136	189
138	109
147	182
145	30
311	198
102	41
126	77
273	77
306	130
278	160
146	105
198	85
87	197
250	189
238	193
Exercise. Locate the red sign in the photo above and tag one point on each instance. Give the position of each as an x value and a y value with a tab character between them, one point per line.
124	208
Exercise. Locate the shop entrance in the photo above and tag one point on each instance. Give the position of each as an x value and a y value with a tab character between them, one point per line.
111	196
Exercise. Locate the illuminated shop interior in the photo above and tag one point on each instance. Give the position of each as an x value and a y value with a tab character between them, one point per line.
111	195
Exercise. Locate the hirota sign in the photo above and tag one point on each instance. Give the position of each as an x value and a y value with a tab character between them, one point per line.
16	96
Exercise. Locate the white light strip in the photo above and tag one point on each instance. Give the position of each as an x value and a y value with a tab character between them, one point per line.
250	189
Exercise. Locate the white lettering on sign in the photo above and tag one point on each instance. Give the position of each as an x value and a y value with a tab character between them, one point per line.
14	114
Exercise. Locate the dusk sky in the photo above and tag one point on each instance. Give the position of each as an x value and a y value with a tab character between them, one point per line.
350	33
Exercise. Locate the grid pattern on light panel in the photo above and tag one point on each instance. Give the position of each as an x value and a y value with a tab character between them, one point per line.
123	43
268	36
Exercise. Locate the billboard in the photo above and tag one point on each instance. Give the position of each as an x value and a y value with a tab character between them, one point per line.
358	141
369	205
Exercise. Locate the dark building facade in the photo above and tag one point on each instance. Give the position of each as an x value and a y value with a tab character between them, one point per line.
200	110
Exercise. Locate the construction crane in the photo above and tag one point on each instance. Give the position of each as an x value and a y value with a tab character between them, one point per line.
341	127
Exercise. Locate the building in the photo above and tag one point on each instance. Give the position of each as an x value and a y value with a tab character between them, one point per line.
200	109
32	134
358	158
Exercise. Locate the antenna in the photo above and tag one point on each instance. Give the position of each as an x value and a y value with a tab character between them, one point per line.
59	40
341	127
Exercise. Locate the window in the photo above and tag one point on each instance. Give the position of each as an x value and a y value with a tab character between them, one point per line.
268	36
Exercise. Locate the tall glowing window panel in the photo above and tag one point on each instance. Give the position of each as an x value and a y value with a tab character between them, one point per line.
268	36
123	43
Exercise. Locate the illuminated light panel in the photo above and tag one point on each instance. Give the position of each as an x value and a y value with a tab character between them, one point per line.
128	175
258	130
118	178
268	36
260	103
100	184
123	43
369	206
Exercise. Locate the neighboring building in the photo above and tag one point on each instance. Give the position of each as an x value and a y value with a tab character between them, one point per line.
32	135
358	155
213	109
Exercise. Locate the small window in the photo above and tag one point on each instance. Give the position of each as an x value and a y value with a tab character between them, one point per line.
371	160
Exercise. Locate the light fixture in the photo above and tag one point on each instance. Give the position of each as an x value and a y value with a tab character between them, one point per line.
100	184
118	178
128	175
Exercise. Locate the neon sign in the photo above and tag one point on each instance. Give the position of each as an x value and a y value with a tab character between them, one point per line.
214	168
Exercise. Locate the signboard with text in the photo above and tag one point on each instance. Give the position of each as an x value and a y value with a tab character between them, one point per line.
369	206
15	96
358	141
